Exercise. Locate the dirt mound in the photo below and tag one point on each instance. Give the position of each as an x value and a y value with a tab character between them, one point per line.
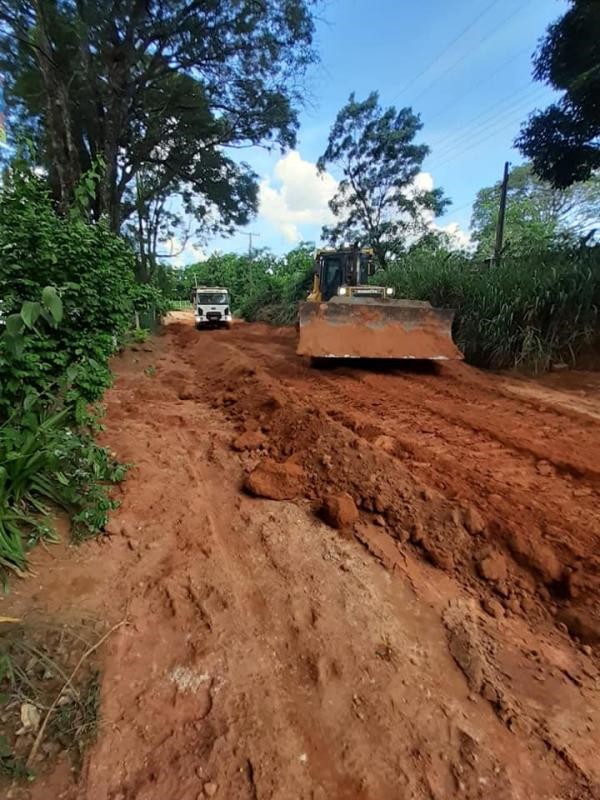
341	451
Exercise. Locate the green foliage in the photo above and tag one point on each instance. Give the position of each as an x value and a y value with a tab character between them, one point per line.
538	216
58	269
528	312
45	465
262	288
54	349
563	141
161	91
147	296
377	201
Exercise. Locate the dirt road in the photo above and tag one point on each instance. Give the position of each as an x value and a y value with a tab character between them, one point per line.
437	637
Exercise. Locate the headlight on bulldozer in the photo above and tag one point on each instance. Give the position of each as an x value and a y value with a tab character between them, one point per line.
342	291
389	291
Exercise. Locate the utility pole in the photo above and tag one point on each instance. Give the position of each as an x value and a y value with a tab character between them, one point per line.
249	235
501	217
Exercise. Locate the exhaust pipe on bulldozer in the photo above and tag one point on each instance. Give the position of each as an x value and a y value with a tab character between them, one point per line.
349	327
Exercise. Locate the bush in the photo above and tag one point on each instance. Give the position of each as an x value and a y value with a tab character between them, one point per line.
67	296
262	288
93	272
45	464
528	312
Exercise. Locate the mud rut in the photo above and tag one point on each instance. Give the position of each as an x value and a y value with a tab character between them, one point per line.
445	645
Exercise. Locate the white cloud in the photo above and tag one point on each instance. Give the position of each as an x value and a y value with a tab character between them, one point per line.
296	195
458	238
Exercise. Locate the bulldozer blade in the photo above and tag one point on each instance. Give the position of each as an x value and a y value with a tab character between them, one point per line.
383	329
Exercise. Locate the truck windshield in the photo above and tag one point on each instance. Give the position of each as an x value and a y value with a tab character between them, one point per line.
213	298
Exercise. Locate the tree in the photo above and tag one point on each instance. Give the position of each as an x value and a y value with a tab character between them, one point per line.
563	142
162	90
536	213
378	202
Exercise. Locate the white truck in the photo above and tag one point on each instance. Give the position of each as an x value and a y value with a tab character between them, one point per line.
212	308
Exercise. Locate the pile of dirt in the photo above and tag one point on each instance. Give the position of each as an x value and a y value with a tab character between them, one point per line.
310	454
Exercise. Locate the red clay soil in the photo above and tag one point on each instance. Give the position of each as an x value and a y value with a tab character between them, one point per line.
357	583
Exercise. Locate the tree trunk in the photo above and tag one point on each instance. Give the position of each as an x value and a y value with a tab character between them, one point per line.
65	158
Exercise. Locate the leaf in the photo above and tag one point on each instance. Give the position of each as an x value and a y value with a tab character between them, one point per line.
30	312
53	303
71	373
14	325
31	398
30	717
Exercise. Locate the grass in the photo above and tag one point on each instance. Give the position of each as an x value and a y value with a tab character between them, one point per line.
45	465
35	662
527	313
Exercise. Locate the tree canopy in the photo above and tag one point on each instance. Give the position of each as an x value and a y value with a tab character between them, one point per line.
161	91
536	212
563	141
378	202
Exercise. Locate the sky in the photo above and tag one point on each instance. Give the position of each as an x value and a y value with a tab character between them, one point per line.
463	65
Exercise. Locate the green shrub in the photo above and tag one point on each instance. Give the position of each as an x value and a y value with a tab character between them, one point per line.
527	312
68	296
93	272
262	288
47	465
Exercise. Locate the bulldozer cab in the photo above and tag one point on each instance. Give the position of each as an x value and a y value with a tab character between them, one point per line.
336	268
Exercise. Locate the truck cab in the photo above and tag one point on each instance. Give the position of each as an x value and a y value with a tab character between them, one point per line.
212	307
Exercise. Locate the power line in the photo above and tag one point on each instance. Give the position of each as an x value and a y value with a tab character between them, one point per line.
471	146
525	94
492	126
445	50
468	53
453	103
460	208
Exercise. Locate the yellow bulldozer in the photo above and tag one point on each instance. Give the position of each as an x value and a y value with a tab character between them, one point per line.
344	316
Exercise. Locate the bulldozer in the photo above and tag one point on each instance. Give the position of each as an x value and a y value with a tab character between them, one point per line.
345	316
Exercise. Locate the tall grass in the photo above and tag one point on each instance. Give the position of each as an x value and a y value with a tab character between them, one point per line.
528	312
44	466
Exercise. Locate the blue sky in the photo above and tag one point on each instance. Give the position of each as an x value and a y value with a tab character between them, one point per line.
463	65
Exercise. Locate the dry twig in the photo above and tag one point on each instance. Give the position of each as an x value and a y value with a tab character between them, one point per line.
87	654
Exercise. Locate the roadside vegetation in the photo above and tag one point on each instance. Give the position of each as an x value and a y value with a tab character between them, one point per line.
68	299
